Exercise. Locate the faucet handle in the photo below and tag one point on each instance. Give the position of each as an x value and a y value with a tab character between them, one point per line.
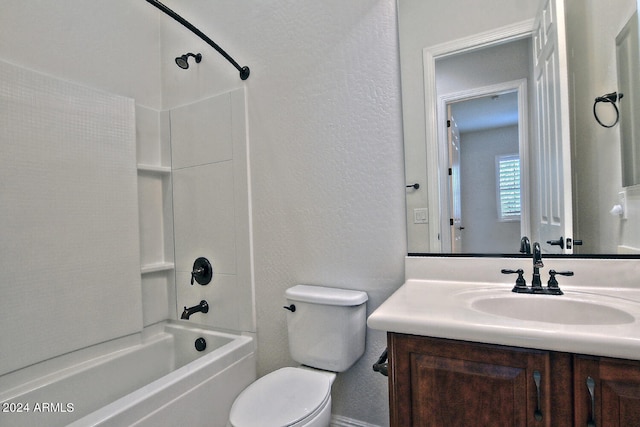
553	283
521	283
202	271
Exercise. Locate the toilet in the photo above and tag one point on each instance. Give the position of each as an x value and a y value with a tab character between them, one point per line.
326	328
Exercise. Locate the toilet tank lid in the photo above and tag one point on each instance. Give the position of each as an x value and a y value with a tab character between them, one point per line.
325	295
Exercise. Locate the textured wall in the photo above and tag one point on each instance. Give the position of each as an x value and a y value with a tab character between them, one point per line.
326	159
327	169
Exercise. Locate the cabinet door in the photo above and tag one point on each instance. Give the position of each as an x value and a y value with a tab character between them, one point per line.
615	389
438	382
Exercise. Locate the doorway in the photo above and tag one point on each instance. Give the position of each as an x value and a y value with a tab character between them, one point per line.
484	164
481	72
486	168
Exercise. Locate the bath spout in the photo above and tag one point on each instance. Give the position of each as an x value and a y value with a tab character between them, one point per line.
202	307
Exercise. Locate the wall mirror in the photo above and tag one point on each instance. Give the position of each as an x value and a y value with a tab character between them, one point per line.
456	76
628	64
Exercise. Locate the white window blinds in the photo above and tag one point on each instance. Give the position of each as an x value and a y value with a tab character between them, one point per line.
508	187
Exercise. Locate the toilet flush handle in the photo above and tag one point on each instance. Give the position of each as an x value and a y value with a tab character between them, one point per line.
291	308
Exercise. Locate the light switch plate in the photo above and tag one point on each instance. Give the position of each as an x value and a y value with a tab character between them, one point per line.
421	216
622	201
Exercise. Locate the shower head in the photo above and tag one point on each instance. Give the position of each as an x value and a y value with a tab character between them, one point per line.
183	61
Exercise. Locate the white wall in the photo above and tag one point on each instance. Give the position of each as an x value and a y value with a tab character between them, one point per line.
483	232
490	66
325	138
112	46
327	180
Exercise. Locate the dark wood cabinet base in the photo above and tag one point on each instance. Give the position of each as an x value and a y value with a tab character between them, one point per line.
437	382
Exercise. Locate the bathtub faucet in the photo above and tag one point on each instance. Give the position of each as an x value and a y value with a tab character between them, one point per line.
203	307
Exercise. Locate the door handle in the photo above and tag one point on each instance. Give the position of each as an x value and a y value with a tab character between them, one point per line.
559	242
574	242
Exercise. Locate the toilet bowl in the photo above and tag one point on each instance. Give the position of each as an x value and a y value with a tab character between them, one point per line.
326	329
295	397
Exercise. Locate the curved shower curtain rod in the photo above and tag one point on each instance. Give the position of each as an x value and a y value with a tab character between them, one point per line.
244	71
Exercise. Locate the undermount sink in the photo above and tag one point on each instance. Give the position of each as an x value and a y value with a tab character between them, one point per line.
552	309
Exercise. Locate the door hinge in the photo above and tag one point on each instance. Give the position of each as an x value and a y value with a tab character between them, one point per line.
450	171
451	221
448	123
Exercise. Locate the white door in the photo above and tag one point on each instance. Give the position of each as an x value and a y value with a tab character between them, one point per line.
455	199
552	140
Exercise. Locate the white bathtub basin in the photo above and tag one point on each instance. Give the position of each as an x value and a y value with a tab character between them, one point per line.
155	379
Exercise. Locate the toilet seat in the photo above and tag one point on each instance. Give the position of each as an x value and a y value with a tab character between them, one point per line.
282	398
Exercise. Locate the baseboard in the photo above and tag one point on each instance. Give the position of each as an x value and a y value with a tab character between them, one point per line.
340	421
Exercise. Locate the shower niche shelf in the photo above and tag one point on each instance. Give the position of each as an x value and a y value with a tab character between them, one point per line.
154	183
157	267
154	169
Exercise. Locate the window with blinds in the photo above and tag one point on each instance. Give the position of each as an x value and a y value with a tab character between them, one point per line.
508	187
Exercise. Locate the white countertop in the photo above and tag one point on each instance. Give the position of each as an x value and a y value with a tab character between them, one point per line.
445	309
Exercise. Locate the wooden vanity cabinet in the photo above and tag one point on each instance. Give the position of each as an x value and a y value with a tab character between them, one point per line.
438	382
616	391
444	383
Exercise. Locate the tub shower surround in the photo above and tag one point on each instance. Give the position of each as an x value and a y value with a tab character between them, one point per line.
211	208
93	348
70	262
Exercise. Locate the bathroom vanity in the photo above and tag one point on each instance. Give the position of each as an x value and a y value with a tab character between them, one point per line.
440	382
467	352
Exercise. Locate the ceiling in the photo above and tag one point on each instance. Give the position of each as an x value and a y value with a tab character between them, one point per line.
487	112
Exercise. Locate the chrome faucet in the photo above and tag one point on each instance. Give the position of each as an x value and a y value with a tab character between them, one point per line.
202	307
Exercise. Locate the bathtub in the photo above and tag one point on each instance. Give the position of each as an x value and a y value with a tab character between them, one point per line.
155	379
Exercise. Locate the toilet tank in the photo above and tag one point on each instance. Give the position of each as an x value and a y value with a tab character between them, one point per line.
328	327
